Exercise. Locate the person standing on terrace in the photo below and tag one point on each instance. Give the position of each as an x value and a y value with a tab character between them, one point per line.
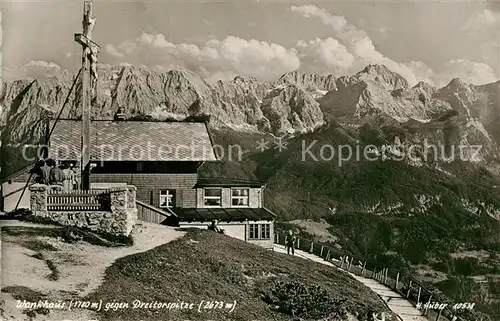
69	178
56	174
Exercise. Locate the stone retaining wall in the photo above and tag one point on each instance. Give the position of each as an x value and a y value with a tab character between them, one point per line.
118	221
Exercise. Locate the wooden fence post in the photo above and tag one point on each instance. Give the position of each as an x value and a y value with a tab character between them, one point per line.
409	289
363	269
439	314
298	243
427	306
374	273
321	253
277	238
350	263
397	281
419	291
385	276
312	248
327	257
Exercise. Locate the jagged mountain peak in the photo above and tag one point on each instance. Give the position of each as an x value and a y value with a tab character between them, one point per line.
240	101
245	80
376	68
457	84
425	86
308	80
384	76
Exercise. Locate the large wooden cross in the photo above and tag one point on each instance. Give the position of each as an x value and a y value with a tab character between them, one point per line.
89	82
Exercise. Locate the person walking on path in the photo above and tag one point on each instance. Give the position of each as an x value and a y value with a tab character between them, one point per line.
69	177
56	174
290	242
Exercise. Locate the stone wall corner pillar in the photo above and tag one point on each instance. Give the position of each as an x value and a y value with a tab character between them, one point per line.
38	199
118	197
131	197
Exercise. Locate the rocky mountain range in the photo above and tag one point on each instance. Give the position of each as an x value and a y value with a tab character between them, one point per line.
296	102
293	104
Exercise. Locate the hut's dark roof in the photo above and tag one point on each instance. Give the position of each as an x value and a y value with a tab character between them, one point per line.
223	214
133	141
227	182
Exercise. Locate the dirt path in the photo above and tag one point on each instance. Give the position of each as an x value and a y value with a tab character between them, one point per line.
399	305
80	267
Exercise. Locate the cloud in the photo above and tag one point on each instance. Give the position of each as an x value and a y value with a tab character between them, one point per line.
41	69
359	46
471	72
476	73
356	41
125	48
231	55
319	55
421	71
33	69
113	51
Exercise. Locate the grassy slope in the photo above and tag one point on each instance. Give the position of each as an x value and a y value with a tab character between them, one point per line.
204	265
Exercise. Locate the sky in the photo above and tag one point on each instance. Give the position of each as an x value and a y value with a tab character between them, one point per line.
432	41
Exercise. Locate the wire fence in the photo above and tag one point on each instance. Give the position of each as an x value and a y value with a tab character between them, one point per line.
430	303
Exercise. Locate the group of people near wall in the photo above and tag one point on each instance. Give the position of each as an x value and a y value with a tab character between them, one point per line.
50	173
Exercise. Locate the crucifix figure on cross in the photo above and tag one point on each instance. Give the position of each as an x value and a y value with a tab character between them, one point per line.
89	86
90	48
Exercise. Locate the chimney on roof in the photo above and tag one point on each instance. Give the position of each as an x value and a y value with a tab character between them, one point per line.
120	115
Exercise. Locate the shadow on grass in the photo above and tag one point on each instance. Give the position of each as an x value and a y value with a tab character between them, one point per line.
69	234
23	293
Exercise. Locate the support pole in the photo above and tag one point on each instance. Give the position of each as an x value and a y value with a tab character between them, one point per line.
89	77
409	289
427	306
397	281
439	314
